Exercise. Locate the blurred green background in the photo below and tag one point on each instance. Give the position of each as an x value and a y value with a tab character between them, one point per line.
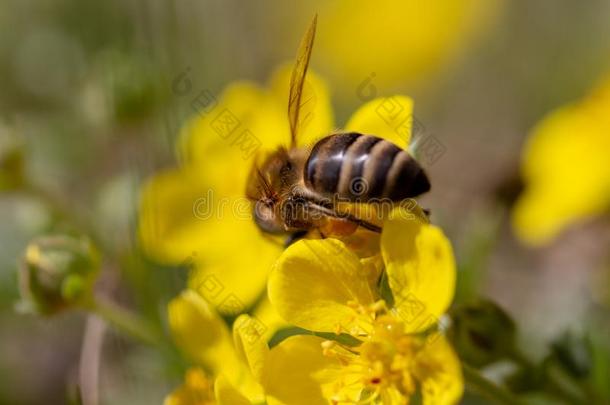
87	112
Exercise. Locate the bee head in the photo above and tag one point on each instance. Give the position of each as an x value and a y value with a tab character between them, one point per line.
266	206
271	183
264	191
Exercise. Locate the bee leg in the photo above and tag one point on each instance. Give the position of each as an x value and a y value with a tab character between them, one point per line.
294	237
364	224
348	217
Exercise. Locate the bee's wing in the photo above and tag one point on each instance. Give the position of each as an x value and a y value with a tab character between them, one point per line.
297	80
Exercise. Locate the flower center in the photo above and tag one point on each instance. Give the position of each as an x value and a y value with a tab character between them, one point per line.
383	365
388	356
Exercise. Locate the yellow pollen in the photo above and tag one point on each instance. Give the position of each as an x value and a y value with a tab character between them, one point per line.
385	360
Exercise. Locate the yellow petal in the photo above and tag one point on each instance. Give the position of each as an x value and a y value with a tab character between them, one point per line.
361	40
316	115
267	314
291	373
565	170
243	121
202	335
312	283
392	396
420	267
389	118
200	332
226	394
184	222
250	343
233	263
168	228
439	371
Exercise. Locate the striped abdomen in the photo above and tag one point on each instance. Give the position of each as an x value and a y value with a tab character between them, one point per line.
361	167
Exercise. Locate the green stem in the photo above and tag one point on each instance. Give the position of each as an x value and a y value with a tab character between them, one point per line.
487	388
125	321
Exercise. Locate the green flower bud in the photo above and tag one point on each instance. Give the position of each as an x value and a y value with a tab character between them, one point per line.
482	332
57	272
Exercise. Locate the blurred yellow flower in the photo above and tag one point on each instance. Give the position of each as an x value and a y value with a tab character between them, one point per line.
393	352
198	212
196	390
205	339
566	169
390	43
199	389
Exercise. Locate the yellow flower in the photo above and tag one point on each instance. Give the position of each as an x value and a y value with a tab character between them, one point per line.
386	352
565	169
199	389
198	213
228	365
391	43
196	390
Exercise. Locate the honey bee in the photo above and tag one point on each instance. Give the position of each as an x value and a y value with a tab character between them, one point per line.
299	189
